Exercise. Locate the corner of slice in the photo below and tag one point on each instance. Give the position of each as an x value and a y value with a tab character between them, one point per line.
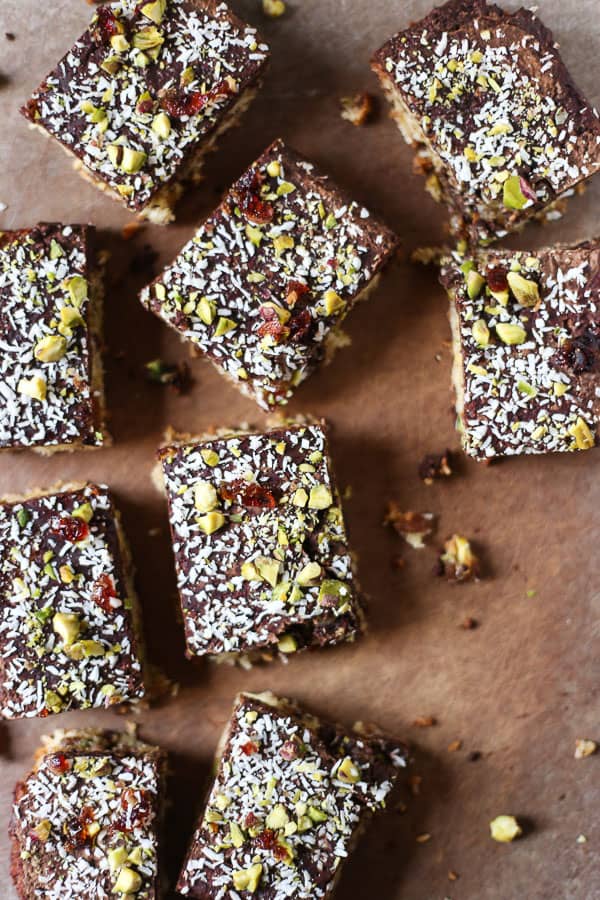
526	329
85	820
146	92
265	283
261	550
70	631
51	375
290	798
499	127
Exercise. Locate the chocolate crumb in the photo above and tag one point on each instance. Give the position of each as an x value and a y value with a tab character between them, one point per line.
474	756
435	466
177	376
9	36
469	624
414	527
425	721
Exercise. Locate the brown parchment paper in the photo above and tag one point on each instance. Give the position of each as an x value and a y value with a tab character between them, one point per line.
520	688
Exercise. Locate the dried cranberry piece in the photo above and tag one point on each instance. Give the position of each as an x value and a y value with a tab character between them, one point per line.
178	103
58	763
272	327
77	830
582	353
103	592
292	749
250	821
527	190
70	528
247	195
249	748
267	839
257	496
136	808
300	325
295	290
144	106
497	280
106	24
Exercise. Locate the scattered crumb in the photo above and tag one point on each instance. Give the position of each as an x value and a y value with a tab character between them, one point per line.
176	376
469	624
423	838
505	829
414	527
581	839
584	748
131	229
401	808
9	36
414	782
154	532
144	262
347	492
422	164
474	756
398	563
357	109
458	562
3	206
452	875
454	746
435	466
531	593
425	721
273	8
427	256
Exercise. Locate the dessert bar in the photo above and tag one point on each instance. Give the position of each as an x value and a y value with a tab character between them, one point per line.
146	92
499	127
69	631
260	544
526	327
264	284
290	797
51	376
85	820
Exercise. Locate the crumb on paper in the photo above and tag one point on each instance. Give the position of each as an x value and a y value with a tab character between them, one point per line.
358	109
454	746
423	838
414	782
585	748
458	563
273	8
474	756
3	206
452	875
175	375
531	593
9	35
414	527
427	256
505	829
398	563
581	839
435	466
131	229
469	624
425	722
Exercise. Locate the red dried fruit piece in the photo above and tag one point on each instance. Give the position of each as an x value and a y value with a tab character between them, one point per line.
497	280
136	809
292	749
77	830
295	290
250	821
249	748
527	190
70	528
179	103
272	327
257	496
103	592
144	107
58	763
106	24
300	325
247	195
267	839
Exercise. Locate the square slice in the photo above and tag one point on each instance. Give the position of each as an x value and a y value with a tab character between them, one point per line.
526	328
85	820
145	93
260	544
289	800
51	376
264	284
70	636
498	124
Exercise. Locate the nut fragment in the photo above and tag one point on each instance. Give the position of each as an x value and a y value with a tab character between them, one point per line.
50	348
211	522
458	562
525	290
583	435
273	8
435	466
414	527
205	496
348	771
584	748
128	882
34	387
511	334
357	109
505	829
67	626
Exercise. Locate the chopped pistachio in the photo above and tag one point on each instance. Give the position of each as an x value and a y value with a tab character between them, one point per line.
268	569
348	771
210	457
211	522
511	334
155	10
287	644
206	310
205	496
248	879
278	817
320	497
67	626
147	38
85	512
333	303
224	325
128	882
475	283
283	242
481	333
34	387
300	497
505	829
51	348
42	830
583	435
274	168
526	291
161	125
513	196
308	573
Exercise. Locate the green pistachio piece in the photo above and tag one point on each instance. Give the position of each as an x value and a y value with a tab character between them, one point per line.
348	771
248	879
85	512
128	882
161	125
50	348
77	288
481	333
67	626
511	334
582	434
277	818
513	196
155	10
211	522
309	573
525	291
205	496
475	283
224	325
320	497
287	644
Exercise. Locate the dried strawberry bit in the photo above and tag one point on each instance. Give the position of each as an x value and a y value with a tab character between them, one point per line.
497	280
77	830
300	325
582	353
104	593
248	198
257	496
178	103
251	821
295	290
136	808
267	839
58	763
144	107
70	528
249	748
106	25
272	327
